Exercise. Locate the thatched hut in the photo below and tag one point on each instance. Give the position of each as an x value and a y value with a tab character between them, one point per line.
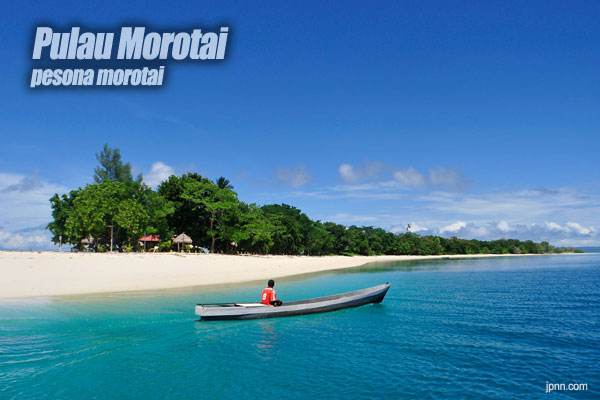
182	239
88	241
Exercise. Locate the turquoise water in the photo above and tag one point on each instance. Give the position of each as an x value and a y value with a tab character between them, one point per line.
472	328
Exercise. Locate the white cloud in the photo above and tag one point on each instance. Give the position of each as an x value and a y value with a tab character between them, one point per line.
10	182
412	227
455	227
411	177
347	173
158	172
553	226
450	178
503	226
569	234
403	178
24	200
24	203
294	177
417	228
579	229
371	170
524	205
570	227
477	231
17	241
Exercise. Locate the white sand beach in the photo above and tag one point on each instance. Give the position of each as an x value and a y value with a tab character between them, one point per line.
28	274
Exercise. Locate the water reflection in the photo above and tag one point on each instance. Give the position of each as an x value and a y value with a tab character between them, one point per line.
267	341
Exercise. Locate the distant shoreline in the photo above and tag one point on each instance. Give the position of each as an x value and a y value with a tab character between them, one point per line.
43	274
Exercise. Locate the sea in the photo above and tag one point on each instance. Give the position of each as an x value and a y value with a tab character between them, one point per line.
486	328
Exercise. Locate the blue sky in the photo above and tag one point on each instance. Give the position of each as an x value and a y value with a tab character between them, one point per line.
475	119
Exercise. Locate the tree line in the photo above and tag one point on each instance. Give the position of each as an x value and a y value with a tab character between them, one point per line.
119	209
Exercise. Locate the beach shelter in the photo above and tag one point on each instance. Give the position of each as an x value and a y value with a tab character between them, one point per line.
151	240
182	239
88	241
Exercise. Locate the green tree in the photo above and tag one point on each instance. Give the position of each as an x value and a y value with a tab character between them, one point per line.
290	228
223	183
61	208
133	218
338	233
111	167
320	241
357	241
546	248
186	216
94	210
253	232
207	198
131	208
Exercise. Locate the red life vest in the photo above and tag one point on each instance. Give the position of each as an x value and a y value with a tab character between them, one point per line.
268	295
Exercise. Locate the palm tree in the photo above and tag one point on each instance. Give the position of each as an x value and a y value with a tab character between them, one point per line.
223	183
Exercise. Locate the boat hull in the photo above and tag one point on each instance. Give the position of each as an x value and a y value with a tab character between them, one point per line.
311	306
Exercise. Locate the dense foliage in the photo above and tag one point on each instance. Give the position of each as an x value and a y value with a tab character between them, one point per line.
120	210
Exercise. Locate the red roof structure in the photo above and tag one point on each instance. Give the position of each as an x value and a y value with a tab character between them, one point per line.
150	238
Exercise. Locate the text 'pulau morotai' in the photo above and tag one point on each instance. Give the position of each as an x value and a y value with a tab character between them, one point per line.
134	44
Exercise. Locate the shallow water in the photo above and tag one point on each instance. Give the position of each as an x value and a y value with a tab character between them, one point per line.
471	328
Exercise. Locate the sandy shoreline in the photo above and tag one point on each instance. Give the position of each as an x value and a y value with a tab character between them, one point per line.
29	274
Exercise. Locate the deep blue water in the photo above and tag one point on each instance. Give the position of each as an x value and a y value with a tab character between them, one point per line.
471	328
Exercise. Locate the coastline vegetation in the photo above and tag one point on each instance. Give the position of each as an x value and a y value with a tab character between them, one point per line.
119	209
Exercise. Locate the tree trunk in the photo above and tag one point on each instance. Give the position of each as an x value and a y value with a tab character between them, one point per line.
212	220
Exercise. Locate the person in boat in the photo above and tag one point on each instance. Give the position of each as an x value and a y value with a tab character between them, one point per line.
268	296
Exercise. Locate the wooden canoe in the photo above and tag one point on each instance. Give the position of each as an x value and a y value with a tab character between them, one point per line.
234	311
